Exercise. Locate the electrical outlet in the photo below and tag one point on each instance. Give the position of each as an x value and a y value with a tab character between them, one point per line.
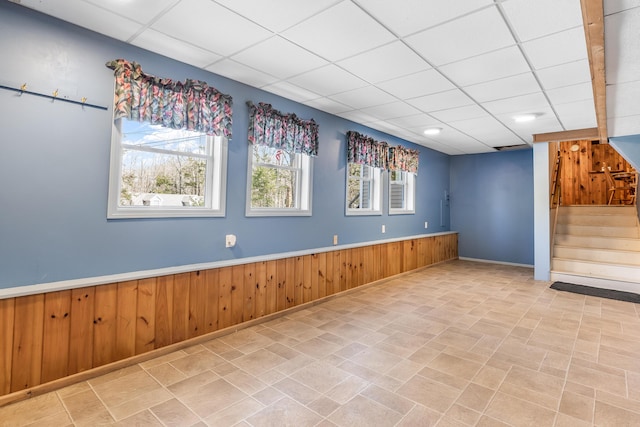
384	229
426	224
335	239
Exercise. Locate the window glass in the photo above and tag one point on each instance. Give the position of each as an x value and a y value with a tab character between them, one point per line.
363	190
279	182
162	172
401	192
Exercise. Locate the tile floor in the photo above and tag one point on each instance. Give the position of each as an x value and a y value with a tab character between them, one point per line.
458	344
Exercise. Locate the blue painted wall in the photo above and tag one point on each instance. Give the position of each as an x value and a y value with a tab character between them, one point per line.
492	205
54	164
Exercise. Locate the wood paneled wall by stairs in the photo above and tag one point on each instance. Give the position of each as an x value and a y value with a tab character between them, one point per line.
49	336
580	178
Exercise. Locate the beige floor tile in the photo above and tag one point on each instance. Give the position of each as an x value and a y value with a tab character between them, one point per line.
166	374
144	418
84	405
518	412
577	406
32	410
611	416
59	419
476	397
212	397
174	413
319	376
235	413
361	411
297	391
125	388
139	403
284	413
455	366
420	416
429	393
388	399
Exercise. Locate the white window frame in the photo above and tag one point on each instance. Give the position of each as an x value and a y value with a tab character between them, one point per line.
304	189
376	193
216	182
408	182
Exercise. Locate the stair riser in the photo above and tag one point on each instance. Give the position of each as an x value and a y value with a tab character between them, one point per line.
597	255
599	220
616	272
621	244
586	230
600	210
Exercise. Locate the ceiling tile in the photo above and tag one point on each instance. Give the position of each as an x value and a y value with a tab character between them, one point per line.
441	101
459	113
391	110
532	103
397	58
488	130
564	95
623	126
364	97
276	15
565	75
139	11
176	49
470	35
358	116
556	49
543	124
196	28
328	105
615	6
622	99
416	122
418	84
88	16
490	66
577	115
622	46
339	32
533	19
328	80
507	87
424	13
242	73
279	57
290	91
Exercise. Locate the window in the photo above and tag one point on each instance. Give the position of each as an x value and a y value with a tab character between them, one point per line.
363	190
401	192
279	182
162	172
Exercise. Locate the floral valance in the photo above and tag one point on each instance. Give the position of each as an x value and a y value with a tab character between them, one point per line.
192	104
365	150
284	131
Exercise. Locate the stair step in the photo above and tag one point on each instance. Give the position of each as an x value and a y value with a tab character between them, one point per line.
597	255
592	230
624	272
602	242
599	210
598	220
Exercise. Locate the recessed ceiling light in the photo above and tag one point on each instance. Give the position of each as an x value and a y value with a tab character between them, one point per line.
432	131
525	117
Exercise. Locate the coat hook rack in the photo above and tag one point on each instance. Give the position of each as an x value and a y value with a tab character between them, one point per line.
54	96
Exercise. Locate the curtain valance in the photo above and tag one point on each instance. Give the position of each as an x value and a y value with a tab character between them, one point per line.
192	104
365	150
284	131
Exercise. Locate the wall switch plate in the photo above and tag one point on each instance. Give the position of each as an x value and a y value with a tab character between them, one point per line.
426	224
384	229
335	239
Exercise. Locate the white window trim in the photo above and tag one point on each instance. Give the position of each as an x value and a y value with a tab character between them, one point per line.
376	193
304	195
216	178
410	195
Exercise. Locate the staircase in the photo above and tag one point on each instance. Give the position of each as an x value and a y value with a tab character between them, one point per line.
597	246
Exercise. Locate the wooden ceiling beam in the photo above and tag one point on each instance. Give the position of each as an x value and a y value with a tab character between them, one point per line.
593	19
568	135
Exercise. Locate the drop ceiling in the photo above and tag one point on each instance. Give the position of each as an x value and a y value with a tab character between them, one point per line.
465	66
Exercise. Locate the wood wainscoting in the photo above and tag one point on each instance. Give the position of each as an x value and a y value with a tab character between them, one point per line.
49	336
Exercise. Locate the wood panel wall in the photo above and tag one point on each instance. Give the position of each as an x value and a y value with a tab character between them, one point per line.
580	180
49	336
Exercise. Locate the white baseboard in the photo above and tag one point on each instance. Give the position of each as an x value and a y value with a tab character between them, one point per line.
490	261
